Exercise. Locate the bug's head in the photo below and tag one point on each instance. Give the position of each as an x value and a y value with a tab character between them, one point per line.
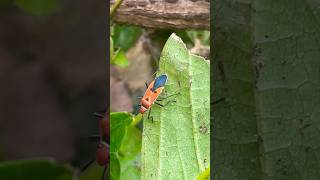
102	154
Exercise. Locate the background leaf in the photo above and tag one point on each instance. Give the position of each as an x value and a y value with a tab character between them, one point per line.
125	36
266	66
118	124
119	121
35	170
39	7
114	166
129	155
174	147
93	172
120	59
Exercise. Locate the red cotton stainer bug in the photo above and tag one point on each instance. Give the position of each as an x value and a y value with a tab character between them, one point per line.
152	93
102	157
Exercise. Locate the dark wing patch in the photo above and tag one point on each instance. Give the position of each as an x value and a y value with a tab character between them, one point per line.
159	82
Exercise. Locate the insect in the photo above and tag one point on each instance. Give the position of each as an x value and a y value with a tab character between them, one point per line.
102	157
152	93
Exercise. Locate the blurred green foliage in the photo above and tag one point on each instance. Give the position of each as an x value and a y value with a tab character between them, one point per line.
124	37
202	36
93	172
39	7
5	3
119	58
121	40
37	169
35	7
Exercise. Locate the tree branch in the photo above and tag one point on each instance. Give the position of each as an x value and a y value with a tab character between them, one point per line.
164	14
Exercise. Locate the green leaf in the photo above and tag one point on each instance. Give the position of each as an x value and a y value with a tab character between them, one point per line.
37	169
160	36
118	125
5	3
204	175
114	166
266	65
203	36
176	144
120	59
39	7
129	155
93	172
131	143
131	167
111	48
119	121
125	36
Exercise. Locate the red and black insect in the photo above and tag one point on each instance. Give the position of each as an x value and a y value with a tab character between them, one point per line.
154	89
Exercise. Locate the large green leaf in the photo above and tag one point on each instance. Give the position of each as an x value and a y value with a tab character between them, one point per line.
35	170
115	168
266	66
119	121
129	155
118	125
176	144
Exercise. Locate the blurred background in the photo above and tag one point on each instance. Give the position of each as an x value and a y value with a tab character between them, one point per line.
54	74
53	77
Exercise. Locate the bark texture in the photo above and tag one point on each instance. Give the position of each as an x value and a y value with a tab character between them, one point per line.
176	14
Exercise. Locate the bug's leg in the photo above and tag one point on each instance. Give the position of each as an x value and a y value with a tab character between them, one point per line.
163	105
158	104
104	177
146	84
150	117
162	98
87	165
149	113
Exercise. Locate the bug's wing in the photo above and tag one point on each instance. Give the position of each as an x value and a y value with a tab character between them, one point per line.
154	96
148	91
159	82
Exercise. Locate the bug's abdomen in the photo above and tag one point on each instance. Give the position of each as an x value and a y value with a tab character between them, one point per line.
145	105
